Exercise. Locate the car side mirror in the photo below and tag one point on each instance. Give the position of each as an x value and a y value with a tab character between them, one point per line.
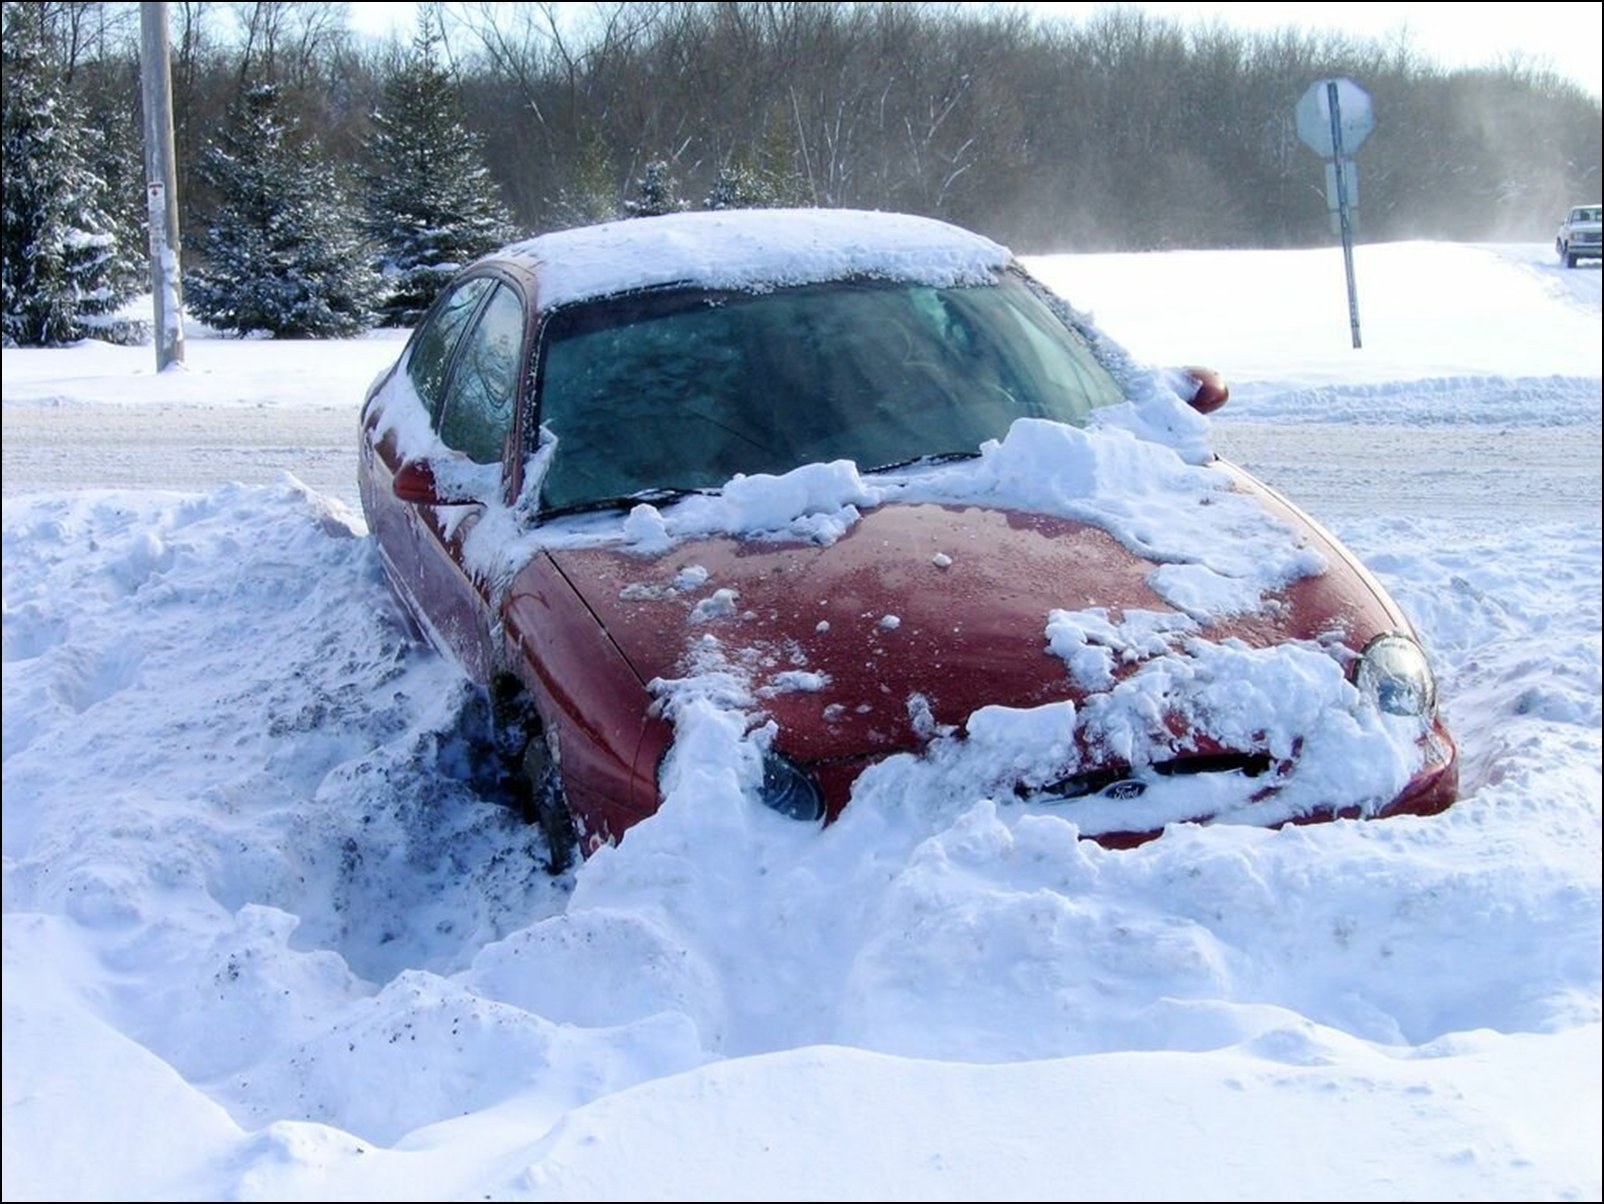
1211	392
415	483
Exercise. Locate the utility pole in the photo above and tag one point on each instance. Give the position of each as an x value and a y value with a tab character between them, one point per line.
161	180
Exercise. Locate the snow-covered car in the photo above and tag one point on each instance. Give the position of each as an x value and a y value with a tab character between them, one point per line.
861	481
1579	235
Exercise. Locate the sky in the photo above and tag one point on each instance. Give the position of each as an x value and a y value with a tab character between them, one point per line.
1564	36
264	937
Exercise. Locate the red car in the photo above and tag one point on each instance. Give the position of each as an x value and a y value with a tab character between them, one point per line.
525	464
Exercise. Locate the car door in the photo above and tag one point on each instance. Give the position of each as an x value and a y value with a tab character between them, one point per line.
474	420
423	371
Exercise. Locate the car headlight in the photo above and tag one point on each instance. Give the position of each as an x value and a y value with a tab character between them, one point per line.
1394	673
788	790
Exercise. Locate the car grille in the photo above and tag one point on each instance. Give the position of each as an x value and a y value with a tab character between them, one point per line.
1588	237
1118	781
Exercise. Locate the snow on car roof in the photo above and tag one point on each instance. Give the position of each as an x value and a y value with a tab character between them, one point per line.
755	249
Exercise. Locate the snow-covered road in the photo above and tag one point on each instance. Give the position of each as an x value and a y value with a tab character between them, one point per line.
1463	430
1333	470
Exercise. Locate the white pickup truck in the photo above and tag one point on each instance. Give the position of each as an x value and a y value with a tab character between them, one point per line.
1578	237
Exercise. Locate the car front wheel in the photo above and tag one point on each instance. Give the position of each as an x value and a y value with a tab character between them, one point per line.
526	752
548	806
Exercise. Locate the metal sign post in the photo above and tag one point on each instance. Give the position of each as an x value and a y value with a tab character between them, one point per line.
1342	207
1333	118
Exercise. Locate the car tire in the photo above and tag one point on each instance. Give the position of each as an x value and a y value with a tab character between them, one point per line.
548	806
528	757
1570	260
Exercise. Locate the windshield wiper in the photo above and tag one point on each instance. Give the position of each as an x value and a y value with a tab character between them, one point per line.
672	493
626	501
927	458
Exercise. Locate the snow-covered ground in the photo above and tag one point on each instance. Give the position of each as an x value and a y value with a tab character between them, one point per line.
264	938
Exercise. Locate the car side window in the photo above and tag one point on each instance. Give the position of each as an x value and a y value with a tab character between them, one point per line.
479	402
431	352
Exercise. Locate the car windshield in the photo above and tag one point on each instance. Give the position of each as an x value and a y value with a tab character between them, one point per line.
682	389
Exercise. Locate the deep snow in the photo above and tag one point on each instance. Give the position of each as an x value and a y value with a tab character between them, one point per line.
264	938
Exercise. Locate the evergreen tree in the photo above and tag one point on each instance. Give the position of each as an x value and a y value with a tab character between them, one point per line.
656	192
63	268
281	254
114	148
742	185
591	195
739	187
431	204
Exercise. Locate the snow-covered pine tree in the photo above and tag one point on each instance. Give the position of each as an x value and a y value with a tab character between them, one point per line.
113	146
656	192
431	205
591	193
282	253
736	187
741	186
63	269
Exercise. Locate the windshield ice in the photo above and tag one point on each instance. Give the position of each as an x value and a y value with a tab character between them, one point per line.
684	389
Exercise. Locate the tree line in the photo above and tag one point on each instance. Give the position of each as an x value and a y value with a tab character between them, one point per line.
329	181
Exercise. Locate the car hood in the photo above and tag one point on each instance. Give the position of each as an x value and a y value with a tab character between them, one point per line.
944	604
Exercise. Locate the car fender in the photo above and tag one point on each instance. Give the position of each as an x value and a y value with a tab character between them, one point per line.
608	739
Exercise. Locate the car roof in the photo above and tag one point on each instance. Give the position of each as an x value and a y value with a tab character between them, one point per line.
752	249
